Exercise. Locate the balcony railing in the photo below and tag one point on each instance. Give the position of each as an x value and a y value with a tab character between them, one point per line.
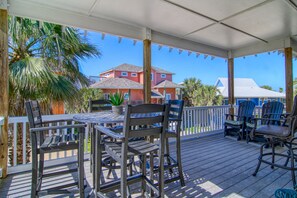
196	121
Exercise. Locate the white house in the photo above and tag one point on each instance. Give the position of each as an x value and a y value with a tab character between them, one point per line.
247	89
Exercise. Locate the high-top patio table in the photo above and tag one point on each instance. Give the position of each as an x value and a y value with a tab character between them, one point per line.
103	117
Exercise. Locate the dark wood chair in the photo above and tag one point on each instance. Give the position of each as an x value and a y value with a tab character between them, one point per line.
99	105
237	123
280	134
272	113
44	142
174	126
149	121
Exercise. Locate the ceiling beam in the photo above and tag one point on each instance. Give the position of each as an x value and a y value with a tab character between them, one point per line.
85	21
261	47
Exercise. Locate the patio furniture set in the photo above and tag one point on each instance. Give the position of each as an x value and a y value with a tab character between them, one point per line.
274	128
138	138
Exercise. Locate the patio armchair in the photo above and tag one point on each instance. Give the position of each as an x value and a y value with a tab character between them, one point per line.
44	140
149	121
272	113
280	134
236	124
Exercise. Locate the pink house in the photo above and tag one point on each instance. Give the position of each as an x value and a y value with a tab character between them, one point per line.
128	79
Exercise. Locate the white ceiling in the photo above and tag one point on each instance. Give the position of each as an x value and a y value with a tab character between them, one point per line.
214	27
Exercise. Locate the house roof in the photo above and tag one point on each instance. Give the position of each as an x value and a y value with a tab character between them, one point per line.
168	84
117	83
156	94
246	88
134	68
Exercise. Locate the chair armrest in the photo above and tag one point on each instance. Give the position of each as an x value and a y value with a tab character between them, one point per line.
41	129
174	119
55	121
109	132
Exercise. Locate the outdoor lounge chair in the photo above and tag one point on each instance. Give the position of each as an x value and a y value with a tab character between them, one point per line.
272	113
280	134
43	141
237	123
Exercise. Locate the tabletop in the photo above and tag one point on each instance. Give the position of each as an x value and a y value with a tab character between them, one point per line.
99	117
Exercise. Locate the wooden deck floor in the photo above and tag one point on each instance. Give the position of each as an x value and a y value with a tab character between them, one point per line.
214	166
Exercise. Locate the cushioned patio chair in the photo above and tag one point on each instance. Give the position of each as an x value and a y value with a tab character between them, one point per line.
236	124
45	140
272	112
280	134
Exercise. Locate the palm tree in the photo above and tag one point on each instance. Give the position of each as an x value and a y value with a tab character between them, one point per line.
201	95
44	64
190	85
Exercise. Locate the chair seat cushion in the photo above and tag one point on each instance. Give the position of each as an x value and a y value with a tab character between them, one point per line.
273	130
233	123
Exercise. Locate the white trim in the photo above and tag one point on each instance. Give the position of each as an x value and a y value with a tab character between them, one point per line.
152	76
123	73
133	74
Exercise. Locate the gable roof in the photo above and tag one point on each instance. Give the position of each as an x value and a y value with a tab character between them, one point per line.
117	83
246	88
134	68
168	84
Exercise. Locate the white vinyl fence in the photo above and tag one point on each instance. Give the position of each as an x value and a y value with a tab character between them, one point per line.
196	121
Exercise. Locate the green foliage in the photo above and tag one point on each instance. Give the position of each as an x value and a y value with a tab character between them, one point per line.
198	94
81	102
116	99
44	62
281	90
266	87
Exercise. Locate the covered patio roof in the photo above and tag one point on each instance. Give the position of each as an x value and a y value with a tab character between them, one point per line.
223	28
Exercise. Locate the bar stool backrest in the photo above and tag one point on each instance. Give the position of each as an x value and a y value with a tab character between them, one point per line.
99	105
145	120
34	114
175	109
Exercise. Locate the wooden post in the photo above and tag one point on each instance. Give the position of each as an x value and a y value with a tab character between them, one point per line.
231	99
4	90
289	79
147	70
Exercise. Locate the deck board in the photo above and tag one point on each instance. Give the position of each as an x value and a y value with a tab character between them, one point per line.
214	166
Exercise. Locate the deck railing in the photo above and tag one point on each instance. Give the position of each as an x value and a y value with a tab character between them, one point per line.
196	121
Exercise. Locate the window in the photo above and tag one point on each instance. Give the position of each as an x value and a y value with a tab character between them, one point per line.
167	96
163	75
124	74
152	76
133	74
106	96
126	96
106	75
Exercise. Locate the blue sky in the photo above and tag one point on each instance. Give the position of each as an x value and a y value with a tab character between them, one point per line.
265	69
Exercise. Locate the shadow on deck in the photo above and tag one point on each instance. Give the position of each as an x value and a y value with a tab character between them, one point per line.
214	166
